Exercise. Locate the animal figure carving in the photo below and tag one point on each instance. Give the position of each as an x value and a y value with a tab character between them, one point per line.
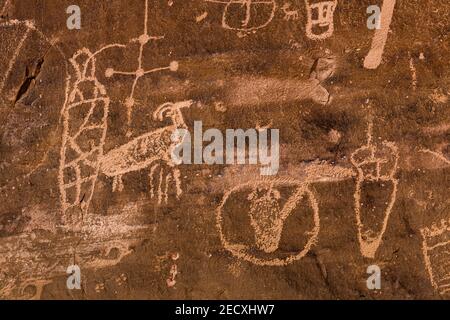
289	14
148	149
85	127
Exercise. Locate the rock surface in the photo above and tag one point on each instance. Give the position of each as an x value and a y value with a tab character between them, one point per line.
86	177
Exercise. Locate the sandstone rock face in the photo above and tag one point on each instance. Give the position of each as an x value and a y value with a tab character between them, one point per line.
88	177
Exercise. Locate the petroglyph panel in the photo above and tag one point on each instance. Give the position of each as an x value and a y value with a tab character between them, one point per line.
358	120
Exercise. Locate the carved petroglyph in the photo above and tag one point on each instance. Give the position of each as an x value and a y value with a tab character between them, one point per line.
82	159
438	96
308	172
376	166
249	91
320	16
267	218
436	154
28	27
171	281
140	72
4	8
33	259
201	17
375	55
144	151
289	14
320	23
85	126
436	251
245	9
413	70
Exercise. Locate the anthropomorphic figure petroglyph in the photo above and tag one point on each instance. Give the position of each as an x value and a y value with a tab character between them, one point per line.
320	23
246	7
267	217
289	14
85	126
146	150
436	251
376	191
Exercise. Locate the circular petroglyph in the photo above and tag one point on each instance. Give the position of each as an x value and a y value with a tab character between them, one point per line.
269	222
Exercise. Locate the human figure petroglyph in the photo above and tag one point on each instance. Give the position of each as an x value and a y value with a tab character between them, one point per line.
140	72
144	151
245	25
375	55
436	252
320	23
87	104
377	167
267	218
289	14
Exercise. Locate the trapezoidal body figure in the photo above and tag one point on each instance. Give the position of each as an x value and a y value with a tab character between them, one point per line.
376	191
85	121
